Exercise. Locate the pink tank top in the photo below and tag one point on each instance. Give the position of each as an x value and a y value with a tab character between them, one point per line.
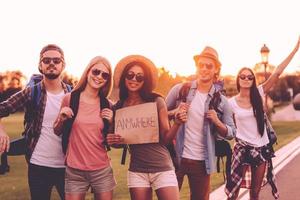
86	150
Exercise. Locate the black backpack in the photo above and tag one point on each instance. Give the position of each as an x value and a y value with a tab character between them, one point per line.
67	126
18	146
222	147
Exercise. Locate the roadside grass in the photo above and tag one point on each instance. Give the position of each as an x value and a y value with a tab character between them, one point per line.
14	184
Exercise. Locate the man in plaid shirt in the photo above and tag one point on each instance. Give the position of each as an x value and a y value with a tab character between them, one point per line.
44	153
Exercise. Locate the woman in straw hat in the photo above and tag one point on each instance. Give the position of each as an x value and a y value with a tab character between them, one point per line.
252	155
150	165
84	120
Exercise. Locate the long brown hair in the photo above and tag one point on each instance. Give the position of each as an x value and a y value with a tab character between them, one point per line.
106	89
255	100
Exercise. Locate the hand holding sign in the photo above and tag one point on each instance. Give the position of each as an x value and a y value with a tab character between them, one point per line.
138	124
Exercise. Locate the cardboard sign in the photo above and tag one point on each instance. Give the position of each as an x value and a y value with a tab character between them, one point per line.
138	124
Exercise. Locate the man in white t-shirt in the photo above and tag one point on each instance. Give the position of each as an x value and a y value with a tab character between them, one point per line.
43	148
195	140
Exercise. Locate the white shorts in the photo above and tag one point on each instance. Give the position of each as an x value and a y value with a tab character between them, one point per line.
154	180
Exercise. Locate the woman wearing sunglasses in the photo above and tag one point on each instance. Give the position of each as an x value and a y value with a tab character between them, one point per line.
150	164
251	164
83	120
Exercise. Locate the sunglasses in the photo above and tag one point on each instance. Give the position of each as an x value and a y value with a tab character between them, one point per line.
47	60
208	66
138	77
249	77
97	72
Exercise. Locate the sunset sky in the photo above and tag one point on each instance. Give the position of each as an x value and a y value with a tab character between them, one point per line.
169	32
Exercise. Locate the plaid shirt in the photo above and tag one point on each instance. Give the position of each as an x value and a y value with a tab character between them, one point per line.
246	155
33	127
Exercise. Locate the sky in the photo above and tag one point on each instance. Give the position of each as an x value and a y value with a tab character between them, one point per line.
169	32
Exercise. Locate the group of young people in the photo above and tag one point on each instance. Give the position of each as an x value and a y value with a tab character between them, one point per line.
69	136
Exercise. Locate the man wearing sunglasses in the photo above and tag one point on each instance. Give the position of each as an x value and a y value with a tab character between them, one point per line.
195	139
44	153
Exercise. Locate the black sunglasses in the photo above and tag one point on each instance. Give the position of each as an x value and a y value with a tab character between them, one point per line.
249	77
138	77
47	60
97	72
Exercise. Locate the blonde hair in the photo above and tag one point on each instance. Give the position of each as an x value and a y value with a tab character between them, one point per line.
106	89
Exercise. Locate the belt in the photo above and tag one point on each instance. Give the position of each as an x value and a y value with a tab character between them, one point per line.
191	161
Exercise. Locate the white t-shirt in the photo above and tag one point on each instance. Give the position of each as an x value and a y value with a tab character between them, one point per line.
48	151
246	123
195	140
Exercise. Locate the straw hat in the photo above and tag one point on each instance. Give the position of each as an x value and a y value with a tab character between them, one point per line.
208	52
135	58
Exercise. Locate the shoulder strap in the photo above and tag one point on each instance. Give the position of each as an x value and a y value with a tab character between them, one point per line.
74	104
32	106
69	87
104	103
36	91
184	91
215	101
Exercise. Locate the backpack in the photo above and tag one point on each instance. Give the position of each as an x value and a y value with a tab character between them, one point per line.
18	146
36	91
74	105
222	147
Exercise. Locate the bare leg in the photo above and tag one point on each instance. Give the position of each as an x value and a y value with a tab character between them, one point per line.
141	193
72	196
166	193
104	195
257	178
244	168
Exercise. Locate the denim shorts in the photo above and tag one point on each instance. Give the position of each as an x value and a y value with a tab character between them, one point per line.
154	180
79	181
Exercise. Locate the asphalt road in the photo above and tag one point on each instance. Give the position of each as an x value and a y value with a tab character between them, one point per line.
288	182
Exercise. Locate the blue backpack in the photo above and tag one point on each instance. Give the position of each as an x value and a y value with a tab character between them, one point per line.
18	146
36	91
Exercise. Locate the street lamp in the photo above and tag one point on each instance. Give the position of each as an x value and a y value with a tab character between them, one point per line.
264	51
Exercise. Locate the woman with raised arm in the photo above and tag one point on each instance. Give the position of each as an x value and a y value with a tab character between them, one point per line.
251	161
